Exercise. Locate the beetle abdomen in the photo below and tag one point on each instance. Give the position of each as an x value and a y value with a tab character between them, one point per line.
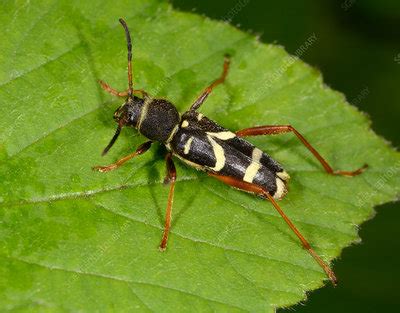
204	144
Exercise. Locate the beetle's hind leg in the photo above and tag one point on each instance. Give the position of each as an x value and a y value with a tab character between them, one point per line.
208	90
280	129
170	179
258	190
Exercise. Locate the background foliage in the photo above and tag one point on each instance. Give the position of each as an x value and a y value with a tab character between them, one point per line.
73	239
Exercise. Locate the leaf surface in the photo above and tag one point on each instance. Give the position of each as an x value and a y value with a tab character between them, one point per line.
72	239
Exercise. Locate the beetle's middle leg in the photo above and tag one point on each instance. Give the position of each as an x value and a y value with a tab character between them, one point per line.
140	150
280	129
208	90
169	179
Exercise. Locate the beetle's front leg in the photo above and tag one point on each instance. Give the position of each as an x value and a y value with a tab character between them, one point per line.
125	93
170	179
140	150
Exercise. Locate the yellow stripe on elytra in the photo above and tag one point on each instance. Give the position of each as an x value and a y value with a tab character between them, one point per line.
219	155
281	189
252	169
188	143
283	175
224	135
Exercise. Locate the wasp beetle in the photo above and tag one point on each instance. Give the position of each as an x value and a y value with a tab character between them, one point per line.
203	144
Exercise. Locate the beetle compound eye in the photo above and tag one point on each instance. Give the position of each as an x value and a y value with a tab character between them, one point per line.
117	115
120	113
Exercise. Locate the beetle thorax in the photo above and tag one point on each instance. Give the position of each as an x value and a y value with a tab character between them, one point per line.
158	119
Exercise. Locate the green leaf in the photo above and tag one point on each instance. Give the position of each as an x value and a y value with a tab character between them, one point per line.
75	240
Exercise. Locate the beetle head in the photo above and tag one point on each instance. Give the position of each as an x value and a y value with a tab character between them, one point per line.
126	115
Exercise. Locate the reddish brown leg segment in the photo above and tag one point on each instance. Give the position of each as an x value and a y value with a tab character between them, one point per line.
112	91
125	93
208	90
140	150
262	192
280	129
169	179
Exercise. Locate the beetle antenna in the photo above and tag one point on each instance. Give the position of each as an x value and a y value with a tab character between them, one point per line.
129	44
114	138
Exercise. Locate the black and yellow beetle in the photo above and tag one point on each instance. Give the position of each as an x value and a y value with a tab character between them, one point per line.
205	145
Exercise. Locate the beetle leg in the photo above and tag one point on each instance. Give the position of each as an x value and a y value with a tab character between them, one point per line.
140	150
116	93
258	190
208	90
143	93
169	179
280	129
112	91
